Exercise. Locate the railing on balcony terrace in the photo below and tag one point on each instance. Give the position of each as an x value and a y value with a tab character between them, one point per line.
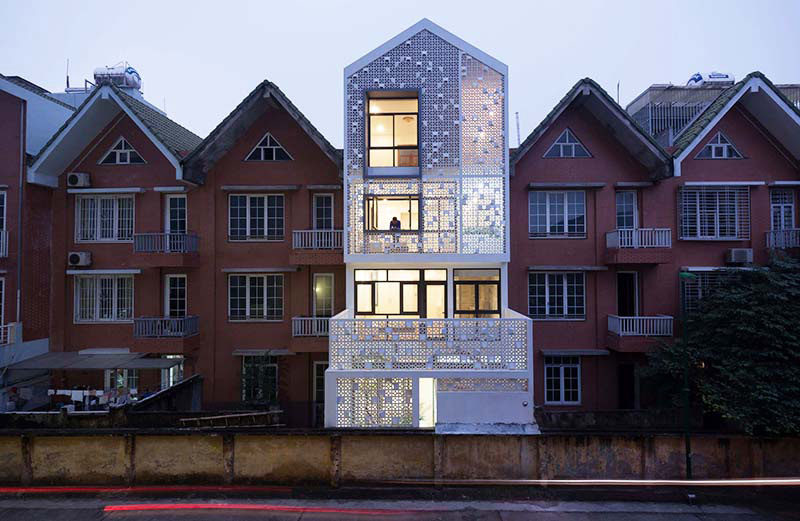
317	239
10	333
3	243
463	344
165	242
401	241
639	238
659	325
781	239
165	327
310	326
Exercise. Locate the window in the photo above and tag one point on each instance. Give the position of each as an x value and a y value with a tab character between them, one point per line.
567	146
175	219
172	375
104	218
122	378
703	284
323	294
626	210
381	211
562	379
256	217
255	297
103	298
323	212
556	214
477	293
556	295
3	209
392	133
122	154
4	336
319	381
260	379
268	149
782	209
720	147
403	293
714	212
175	301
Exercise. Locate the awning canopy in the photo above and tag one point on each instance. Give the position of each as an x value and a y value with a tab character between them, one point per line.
78	361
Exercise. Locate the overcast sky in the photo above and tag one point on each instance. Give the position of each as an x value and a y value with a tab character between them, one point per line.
200	58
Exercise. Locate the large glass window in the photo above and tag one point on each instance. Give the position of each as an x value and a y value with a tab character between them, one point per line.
477	293
714	212
256	217
104	218
260	379
392	133
556	295
403	293
388	213
323	294
562	379
556	214
255	297
103	298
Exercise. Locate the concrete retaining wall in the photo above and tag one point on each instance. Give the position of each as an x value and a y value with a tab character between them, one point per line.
334	458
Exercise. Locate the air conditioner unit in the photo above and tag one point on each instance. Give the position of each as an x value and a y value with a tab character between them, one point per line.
739	256
79	258
78	180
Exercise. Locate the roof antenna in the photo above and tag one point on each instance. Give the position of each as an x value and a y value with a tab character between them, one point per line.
517	116
67	73
617	92
165	104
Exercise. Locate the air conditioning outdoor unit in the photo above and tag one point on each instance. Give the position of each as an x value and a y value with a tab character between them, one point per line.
78	180
79	258
739	256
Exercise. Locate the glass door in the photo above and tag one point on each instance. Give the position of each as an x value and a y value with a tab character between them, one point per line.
175	223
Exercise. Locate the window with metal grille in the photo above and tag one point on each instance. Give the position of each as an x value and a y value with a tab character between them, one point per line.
562	379
720	147
556	295
782	209
256	217
268	149
104	218
255	297
122	153
2	209
567	146
260	379
103	298
702	285
556	214
714	212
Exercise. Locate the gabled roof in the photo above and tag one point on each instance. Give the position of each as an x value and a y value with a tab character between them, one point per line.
587	92
709	117
222	138
98	110
28	85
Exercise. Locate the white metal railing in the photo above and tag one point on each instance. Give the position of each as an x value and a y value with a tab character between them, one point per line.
165	242
10	333
3	243
310	326
464	344
317	239
788	238
165	327
639	238
659	325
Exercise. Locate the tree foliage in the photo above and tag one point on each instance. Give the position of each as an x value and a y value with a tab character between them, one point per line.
743	347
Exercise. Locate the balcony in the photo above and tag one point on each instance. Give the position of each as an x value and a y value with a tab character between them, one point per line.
783	239
156	250
634	334
316	247
639	246
165	327
10	333
310	326
3	243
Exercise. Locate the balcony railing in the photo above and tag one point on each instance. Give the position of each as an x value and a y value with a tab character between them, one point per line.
165	243
659	325
639	238
781	239
464	344
317	239
310	326
10	333
402	241
3	243
165	327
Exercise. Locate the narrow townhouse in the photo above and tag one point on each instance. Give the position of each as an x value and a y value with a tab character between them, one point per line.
29	115
273	208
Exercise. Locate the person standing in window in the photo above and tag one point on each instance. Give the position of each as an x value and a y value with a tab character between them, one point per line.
395	224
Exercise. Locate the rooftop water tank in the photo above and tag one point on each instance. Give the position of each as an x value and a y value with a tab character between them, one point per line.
123	76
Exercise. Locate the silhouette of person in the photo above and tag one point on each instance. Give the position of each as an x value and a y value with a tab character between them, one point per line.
395	224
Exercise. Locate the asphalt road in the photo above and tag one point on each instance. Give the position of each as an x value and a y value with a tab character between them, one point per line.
183	509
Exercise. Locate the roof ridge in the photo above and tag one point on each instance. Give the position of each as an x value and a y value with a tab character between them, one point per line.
41	92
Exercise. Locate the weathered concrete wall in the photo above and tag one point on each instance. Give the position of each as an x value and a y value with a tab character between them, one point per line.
345	457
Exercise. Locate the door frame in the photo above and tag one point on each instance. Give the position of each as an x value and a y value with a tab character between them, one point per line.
314	295
167	199
636	303
314	211
167	288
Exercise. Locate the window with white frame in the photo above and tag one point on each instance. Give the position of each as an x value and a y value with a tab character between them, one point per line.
556	214
256	217
104	218
122	153
255	297
556	295
260	379
703	284
720	147
562	379
3	210
104	298
714	212
626	210
268	149
323	211
782	209
567	146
